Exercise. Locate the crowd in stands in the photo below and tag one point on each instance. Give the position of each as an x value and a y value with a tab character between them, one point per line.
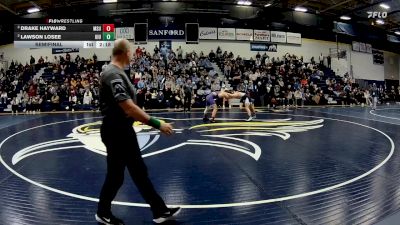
64	85
164	77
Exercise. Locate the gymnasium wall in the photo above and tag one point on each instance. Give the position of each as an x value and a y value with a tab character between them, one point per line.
392	66
362	65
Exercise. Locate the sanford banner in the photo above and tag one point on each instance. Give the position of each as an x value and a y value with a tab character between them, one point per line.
167	33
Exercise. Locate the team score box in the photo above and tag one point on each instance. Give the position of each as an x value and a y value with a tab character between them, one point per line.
108	27
108	36
104	44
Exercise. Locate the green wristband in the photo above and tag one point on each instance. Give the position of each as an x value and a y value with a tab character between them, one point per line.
154	123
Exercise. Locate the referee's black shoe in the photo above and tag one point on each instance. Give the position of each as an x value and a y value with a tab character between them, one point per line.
109	220
170	215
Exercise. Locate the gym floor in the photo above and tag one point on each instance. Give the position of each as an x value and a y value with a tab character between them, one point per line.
305	166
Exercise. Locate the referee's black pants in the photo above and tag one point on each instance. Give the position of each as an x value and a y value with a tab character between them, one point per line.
187	102
123	151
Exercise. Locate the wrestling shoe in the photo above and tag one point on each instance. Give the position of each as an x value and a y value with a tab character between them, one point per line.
167	216
108	220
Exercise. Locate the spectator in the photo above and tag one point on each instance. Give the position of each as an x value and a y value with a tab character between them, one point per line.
258	56
374	95
3	97
73	101
32	60
212	56
87	98
219	52
138	52
329	60
163	51
160	99
180	52
177	99
321	60
298	96
36	102
14	105
56	61
68	58
55	102
29	105
156	49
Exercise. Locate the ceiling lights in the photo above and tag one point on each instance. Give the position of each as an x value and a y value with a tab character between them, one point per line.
300	9
33	10
268	5
397	32
345	18
110	1
244	2
381	22
385	6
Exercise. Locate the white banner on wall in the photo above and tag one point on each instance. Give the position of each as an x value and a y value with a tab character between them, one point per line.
356	46
208	33
278	36
226	34
125	32
369	48
363	47
244	34
262	35
293	38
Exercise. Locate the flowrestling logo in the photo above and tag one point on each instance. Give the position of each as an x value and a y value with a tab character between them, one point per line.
377	15
64	21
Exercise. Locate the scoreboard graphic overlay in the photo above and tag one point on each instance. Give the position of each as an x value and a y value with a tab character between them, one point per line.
64	35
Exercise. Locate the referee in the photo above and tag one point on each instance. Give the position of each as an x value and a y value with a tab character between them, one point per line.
188	89
119	137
